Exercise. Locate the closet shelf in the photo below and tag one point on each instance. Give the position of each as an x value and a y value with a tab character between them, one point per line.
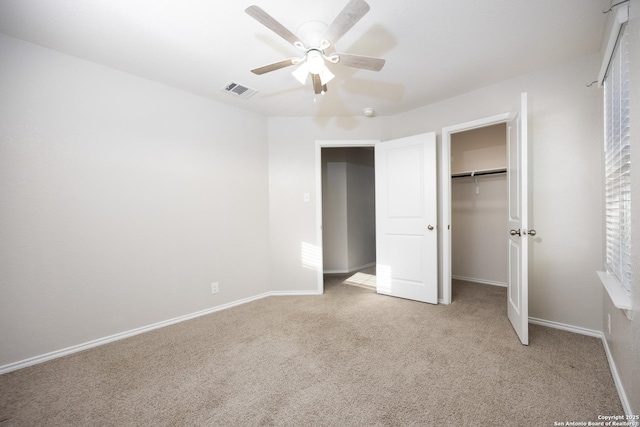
479	173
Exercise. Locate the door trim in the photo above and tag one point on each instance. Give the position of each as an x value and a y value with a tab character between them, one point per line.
445	188
320	144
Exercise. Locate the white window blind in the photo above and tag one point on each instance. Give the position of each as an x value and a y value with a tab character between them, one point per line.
618	166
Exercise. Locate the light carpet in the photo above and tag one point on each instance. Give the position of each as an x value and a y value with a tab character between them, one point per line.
349	357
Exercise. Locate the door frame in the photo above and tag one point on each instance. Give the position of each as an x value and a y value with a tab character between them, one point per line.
320	144
445	188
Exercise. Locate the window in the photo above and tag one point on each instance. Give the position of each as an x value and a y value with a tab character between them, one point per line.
618	165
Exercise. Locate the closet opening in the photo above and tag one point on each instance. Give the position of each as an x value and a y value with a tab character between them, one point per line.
348	215
479	202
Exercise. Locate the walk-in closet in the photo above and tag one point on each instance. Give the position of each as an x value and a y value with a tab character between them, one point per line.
479	205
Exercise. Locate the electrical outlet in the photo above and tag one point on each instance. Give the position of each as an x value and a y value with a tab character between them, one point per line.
609	323
215	288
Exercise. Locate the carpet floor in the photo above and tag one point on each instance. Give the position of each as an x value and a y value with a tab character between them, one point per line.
349	357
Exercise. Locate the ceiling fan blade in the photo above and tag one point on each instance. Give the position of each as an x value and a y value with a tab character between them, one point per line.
268	21
358	61
352	12
274	66
317	83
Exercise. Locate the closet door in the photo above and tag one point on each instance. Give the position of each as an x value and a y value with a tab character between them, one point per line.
517	157
406	215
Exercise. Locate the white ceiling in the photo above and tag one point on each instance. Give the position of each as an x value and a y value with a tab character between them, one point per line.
434	49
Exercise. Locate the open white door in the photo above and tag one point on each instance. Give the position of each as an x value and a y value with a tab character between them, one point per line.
518	289
406	214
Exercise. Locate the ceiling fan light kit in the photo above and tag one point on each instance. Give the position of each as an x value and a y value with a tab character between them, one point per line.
314	60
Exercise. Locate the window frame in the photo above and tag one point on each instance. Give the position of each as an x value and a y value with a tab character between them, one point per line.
617	156
614	76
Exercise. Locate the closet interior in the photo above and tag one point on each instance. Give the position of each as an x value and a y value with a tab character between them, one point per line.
479	200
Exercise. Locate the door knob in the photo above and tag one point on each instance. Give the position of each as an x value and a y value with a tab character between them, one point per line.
514	232
430	227
531	232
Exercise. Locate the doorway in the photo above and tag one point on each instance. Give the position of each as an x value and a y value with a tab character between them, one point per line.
446	192
479	197
345	207
348	213
519	208
406	215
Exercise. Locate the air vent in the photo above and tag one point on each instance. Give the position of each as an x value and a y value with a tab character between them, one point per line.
239	90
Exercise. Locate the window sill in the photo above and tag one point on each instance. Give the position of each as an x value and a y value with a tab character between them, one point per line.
618	295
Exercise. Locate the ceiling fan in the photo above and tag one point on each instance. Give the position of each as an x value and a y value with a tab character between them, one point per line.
315	39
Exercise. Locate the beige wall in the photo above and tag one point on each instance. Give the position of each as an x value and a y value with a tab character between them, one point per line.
478	221
479	149
361	206
335	244
624	340
121	201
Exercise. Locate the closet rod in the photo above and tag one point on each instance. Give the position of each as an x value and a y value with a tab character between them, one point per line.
479	173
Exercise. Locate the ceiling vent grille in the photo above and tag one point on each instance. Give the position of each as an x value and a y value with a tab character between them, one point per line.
239	90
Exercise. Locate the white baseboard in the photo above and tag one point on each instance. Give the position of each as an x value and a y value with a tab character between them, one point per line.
565	327
482	281
597	334
616	377
101	341
294	293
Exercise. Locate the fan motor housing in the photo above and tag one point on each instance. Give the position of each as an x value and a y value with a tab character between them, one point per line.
310	33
